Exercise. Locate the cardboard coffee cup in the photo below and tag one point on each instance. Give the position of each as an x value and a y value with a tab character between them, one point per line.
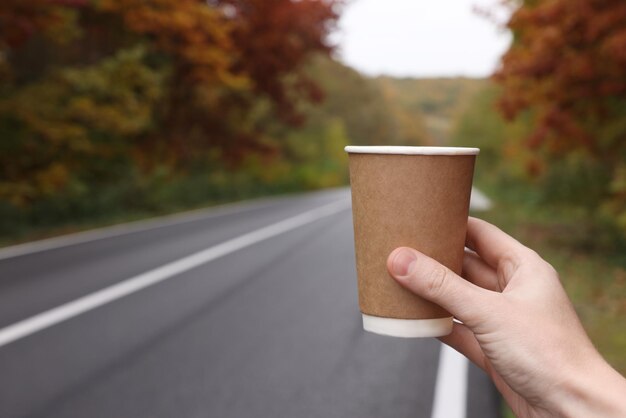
414	197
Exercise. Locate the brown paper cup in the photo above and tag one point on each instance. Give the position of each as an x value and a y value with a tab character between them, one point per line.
414	197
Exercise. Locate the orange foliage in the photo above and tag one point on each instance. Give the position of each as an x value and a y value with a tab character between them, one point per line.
567	64
92	84
198	36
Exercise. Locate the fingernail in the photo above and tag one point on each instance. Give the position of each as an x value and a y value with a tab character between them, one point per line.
403	263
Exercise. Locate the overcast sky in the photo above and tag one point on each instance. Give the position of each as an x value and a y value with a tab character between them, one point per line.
420	38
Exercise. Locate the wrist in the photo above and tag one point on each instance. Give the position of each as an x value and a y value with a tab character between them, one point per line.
593	391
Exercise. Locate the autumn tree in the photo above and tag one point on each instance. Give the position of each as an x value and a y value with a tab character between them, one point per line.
227	55
89	86
566	68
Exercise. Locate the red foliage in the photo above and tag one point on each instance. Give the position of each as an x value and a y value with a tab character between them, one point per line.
220	60
20	20
567	63
274	38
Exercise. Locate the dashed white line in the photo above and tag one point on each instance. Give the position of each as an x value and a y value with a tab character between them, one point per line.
109	294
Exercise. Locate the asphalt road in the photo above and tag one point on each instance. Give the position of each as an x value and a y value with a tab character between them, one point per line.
268	330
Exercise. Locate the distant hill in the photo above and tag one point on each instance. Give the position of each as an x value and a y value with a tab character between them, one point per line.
370	113
436	101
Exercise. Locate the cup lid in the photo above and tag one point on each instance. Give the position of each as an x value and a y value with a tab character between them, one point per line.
406	150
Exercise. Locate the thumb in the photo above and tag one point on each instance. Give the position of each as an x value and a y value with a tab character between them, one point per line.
431	280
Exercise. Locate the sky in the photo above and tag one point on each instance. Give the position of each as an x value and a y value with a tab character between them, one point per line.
420	38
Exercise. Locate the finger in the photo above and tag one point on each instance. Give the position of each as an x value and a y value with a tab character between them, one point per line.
431	280
462	339
478	272
498	249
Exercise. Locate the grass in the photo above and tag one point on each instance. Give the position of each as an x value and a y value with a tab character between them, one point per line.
34	233
26	233
507	413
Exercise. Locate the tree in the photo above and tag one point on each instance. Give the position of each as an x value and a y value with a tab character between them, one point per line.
71	129
369	108
226	55
89	85
567	67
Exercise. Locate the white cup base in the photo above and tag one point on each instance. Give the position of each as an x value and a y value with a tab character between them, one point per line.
407	328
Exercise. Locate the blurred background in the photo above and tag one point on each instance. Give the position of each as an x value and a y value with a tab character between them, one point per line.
117	110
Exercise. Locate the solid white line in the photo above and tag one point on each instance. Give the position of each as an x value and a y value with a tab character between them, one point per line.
128	228
109	294
451	387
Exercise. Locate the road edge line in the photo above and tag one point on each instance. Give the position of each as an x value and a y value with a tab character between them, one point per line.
134	284
116	230
450	399
141	225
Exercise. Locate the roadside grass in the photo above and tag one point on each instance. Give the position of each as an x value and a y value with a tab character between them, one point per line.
586	254
507	413
137	198
28	233
25	232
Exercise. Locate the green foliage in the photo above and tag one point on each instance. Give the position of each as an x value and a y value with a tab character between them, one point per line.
479	125
574	183
109	106
432	102
443	97
322	162
370	115
72	128
566	191
567	67
95	139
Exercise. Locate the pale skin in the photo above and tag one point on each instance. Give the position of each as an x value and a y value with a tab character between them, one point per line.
518	325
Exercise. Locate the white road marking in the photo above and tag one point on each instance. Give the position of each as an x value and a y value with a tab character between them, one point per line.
109	294
478	202
128	228
451	387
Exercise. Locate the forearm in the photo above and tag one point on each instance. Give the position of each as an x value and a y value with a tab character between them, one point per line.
599	392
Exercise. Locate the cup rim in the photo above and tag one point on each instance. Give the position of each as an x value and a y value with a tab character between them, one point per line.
410	150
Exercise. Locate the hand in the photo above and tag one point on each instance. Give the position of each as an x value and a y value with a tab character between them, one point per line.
518	325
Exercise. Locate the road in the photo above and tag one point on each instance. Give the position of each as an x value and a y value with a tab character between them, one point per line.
265	328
